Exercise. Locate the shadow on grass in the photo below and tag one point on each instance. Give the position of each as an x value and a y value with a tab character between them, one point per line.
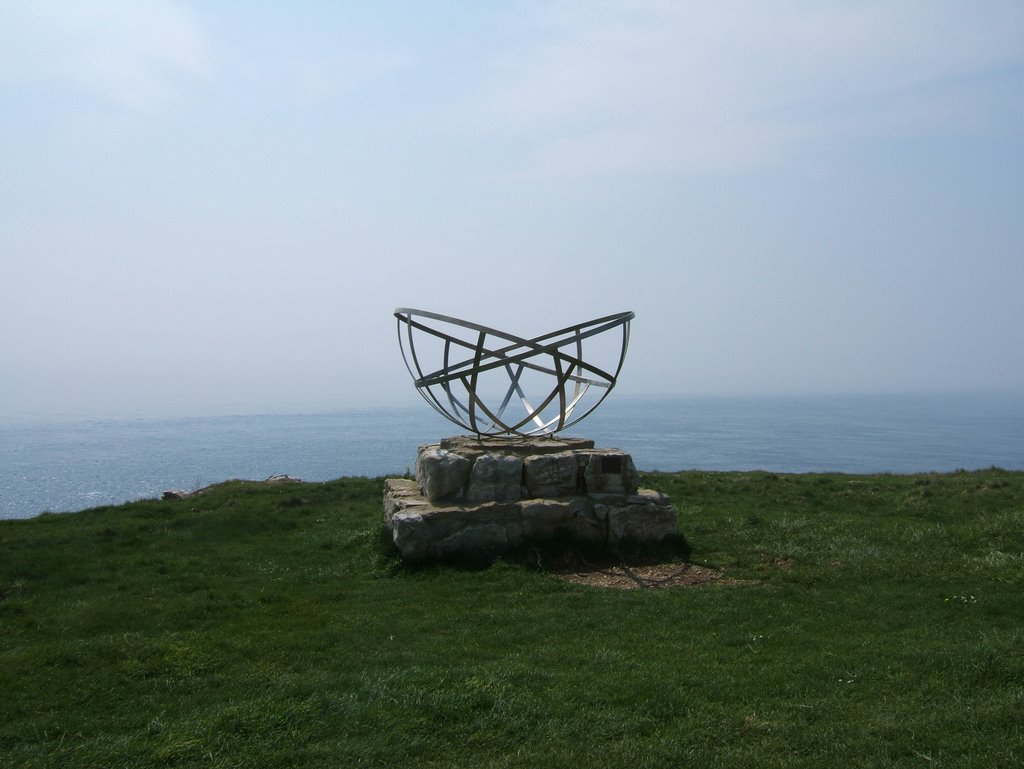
556	552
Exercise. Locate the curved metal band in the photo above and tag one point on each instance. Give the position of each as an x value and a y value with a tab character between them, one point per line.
515	357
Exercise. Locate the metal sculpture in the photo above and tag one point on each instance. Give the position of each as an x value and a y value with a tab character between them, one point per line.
477	382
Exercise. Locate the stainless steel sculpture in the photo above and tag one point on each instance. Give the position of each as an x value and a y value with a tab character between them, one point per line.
476	382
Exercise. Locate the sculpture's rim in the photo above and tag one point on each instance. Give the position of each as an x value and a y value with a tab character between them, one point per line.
405	313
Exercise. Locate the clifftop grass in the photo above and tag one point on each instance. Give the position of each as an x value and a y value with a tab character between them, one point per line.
872	621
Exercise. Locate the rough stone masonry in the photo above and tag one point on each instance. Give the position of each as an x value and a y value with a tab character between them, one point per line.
476	496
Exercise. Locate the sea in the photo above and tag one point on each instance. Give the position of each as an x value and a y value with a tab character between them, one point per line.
71	465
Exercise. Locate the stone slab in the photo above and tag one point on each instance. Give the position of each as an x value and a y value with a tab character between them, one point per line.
441	473
495	478
472	446
399	495
551	475
424	532
642	522
610	471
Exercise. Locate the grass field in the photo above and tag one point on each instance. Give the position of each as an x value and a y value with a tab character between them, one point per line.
867	621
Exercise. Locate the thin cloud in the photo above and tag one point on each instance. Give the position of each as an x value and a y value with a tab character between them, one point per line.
346	71
731	85
323	75
136	54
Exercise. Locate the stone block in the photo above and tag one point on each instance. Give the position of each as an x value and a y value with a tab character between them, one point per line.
551	475
587	527
480	539
610	471
644	496
400	494
411	536
645	521
542	518
427	531
441	473
495	478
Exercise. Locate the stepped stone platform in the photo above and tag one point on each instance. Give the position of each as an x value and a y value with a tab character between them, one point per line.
476	496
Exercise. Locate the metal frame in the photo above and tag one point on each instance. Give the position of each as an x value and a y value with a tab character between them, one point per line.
546	354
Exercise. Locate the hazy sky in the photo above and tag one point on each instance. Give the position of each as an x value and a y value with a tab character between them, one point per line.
214	207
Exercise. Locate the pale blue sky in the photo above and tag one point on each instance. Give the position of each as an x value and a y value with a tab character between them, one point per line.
214	207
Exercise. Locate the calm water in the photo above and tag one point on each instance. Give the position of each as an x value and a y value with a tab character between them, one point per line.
69	466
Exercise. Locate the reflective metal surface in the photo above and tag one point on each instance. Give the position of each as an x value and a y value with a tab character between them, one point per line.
495	383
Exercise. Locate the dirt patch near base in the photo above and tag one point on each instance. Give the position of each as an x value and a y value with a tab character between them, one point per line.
633	573
634	567
640	577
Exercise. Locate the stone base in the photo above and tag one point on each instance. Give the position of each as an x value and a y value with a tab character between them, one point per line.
475	497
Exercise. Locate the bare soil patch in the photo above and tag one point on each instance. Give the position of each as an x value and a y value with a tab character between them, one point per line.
626	577
633	573
776	562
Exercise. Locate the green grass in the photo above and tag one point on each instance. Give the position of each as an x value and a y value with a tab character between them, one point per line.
874	621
